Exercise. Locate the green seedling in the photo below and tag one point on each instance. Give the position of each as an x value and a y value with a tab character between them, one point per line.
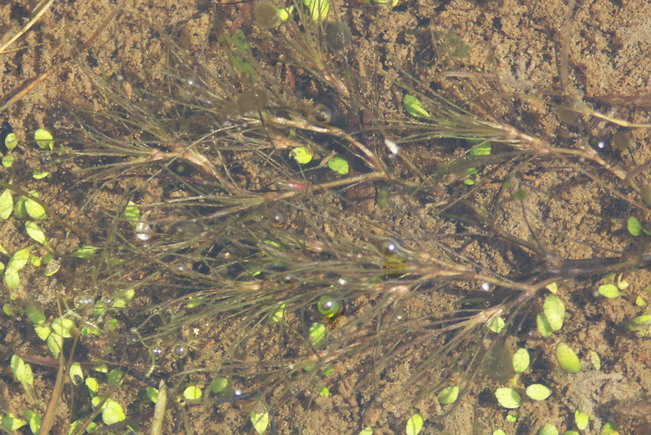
34	420
448	395
609	291
414	424
76	374
279	314
496	325
366	431
640	325
218	385
538	392
567	358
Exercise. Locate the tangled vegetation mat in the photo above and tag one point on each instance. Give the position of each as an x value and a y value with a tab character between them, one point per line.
325	216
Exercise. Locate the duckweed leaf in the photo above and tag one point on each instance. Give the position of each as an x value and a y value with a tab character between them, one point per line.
543	325
11	141
35	210
112	411
567	358
414	424
44	139
609	291
76	373
521	360
63	327
6	204
634	226
192	393
218	385
11	422
508	398
448	395
554	310
35	232
302	155
35	315
317	334
548	429
54	343
339	165
581	419
538	392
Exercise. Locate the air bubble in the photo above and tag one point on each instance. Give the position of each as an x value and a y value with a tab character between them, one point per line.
487	286
84	302
180	350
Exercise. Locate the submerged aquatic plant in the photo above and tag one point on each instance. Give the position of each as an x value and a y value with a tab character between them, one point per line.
229	229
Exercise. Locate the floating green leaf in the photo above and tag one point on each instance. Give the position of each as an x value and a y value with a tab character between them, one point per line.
93	386
496	325
39	175
318	9
521	360
609	291
34	209
634	226
302	155
192	393
508	398
339	165
63	326
6	204
44	139
115	378
35	315
543	325
259	418
279	313
35	232
548	429
414	424
567	358
8	160
76	373
317	334
538	392
218	385
11	141
11	422
448	395
554	310
22	371
414	107
132	213
328	306
54	343
34	420
581	419
366	431
112	411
